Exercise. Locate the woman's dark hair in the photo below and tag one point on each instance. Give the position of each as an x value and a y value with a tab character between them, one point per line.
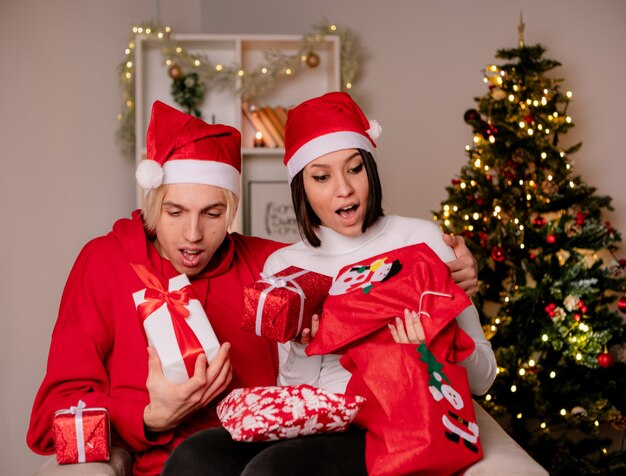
308	221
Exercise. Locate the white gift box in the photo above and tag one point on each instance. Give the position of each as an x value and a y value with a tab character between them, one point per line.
160	332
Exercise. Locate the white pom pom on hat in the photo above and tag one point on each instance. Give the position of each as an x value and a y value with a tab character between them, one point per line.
323	125
184	149
149	174
375	129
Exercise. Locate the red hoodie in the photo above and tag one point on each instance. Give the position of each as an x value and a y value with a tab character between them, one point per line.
98	350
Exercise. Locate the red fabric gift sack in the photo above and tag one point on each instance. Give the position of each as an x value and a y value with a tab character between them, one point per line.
418	411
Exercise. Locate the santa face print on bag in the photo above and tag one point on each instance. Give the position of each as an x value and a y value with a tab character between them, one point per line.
365	276
456	427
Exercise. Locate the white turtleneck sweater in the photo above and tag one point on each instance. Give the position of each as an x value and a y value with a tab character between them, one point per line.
337	251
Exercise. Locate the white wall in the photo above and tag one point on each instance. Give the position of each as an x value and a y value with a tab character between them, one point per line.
59	97
62	178
423	69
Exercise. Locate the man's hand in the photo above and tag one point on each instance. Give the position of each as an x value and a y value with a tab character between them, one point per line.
170	403
464	268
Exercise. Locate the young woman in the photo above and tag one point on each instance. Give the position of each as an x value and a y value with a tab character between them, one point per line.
337	197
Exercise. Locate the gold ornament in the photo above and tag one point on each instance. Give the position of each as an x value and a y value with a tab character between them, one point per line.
572	229
563	255
549	187
175	71
498	94
312	59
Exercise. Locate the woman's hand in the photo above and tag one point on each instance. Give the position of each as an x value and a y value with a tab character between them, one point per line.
408	332
308	334
170	403
464	269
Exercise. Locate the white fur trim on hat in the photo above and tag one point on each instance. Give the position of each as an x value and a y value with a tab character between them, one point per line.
149	174
375	129
205	172
323	145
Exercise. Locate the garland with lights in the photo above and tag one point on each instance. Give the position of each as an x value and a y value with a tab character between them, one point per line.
551	289
188	90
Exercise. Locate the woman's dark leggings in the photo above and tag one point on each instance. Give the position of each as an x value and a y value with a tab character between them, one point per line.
213	452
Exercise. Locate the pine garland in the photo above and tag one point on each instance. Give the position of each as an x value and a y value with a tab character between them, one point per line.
247	84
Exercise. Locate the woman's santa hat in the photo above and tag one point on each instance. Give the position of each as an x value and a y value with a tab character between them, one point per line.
323	125
184	149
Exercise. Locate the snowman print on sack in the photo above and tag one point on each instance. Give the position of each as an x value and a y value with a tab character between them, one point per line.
364	276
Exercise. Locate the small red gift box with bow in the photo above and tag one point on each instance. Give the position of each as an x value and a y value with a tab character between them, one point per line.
280	306
81	434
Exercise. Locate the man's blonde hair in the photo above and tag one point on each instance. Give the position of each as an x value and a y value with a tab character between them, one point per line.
153	202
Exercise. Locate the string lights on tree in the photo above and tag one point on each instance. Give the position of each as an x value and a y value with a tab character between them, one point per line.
552	293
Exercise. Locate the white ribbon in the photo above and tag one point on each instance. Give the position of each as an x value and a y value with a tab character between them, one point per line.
77	411
433	293
275	282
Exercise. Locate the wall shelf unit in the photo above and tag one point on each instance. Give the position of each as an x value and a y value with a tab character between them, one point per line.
259	164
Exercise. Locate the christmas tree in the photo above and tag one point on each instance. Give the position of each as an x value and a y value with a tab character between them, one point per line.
551	285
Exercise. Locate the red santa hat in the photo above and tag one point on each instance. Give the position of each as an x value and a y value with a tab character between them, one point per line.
184	149
323	125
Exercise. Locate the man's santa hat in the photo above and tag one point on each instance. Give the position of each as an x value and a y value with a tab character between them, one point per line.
323	125
184	149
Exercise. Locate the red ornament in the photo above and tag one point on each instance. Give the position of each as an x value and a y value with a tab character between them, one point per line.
471	116
580	218
609	228
480	201
550	309
498	254
577	317
551	239
622	263
483	238
621	304
539	221
605	360
528	118
455	181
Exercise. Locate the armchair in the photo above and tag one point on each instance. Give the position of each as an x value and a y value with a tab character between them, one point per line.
502	456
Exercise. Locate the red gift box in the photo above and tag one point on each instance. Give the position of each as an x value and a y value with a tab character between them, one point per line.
81	435
280	306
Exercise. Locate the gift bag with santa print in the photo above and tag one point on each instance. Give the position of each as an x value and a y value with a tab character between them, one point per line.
418	412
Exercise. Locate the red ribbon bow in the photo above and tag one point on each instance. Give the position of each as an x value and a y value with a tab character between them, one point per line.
156	295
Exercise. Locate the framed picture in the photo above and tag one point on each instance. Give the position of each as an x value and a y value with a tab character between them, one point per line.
270	211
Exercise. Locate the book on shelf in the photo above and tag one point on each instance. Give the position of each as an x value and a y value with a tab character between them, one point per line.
278	124
271	126
258	125
281	113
